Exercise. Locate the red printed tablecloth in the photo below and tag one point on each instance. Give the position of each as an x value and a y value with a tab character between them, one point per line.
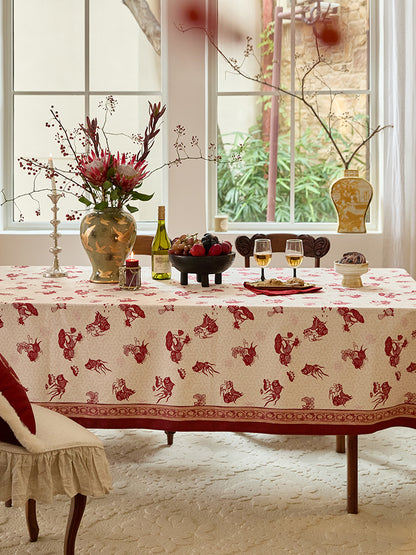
176	357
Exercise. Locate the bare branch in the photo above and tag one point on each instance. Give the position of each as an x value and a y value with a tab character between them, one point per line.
146	20
302	97
326	128
365	141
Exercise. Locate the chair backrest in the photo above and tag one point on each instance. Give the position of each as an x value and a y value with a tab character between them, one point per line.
143	244
312	247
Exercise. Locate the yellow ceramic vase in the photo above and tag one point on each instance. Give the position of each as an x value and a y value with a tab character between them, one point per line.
351	196
107	236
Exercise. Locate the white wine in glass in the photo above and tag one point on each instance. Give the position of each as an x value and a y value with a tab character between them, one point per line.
294	253
262	254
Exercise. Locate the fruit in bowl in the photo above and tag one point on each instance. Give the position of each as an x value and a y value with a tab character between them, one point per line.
209	245
190	255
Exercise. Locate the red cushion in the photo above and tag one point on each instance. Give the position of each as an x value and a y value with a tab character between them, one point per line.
14	393
6	433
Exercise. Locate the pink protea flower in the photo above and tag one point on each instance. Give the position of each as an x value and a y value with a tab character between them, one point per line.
108	180
129	173
94	168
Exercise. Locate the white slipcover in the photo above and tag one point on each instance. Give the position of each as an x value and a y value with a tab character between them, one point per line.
72	461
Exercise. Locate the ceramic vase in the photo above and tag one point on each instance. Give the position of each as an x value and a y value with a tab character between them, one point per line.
107	236
351	196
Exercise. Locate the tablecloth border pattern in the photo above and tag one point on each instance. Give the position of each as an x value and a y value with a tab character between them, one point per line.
233	419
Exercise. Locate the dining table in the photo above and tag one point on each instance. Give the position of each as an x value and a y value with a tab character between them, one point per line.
322	359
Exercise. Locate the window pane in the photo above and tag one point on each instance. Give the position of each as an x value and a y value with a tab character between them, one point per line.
48	45
32	139
243	179
317	164
238	17
345	59
121	58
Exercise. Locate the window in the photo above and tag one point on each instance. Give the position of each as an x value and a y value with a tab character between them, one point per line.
72	55
338	89
82	63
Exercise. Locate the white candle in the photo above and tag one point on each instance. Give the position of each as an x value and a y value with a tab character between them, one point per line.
50	164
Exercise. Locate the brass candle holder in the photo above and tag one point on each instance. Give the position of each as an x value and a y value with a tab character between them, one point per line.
55	270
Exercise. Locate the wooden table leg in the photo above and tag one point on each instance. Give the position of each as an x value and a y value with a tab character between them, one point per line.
352	474
31	520
340	444
170	437
74	520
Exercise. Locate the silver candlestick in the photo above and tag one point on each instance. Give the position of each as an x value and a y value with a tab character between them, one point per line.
55	270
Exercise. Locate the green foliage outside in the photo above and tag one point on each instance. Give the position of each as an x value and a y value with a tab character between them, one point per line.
242	184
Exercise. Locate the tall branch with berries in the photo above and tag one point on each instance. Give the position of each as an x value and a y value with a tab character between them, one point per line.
102	179
99	178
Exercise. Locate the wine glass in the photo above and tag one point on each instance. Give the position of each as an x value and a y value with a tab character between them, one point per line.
294	253
262	254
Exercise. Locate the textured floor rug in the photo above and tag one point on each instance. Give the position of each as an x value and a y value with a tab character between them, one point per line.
228	493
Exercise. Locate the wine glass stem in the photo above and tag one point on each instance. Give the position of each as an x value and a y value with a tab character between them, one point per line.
294	272
262	275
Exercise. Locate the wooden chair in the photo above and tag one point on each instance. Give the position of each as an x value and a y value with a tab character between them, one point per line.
143	246
69	461
312	248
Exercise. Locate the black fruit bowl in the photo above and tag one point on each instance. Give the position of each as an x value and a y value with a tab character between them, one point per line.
202	266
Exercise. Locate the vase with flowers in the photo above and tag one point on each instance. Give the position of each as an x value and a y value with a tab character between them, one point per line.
107	183
108	231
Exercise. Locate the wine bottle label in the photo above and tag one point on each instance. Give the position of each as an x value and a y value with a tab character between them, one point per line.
161	263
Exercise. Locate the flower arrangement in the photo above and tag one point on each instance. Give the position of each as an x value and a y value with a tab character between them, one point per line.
102	179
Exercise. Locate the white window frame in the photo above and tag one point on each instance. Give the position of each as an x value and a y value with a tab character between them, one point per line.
9	93
374	177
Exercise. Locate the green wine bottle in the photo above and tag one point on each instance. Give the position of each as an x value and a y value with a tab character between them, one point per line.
161	267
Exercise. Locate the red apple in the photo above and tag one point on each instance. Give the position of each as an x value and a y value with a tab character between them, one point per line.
215	250
197	250
226	247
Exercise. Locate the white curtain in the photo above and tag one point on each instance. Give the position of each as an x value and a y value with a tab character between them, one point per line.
398	72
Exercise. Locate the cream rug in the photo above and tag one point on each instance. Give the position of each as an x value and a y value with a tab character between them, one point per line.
229	493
